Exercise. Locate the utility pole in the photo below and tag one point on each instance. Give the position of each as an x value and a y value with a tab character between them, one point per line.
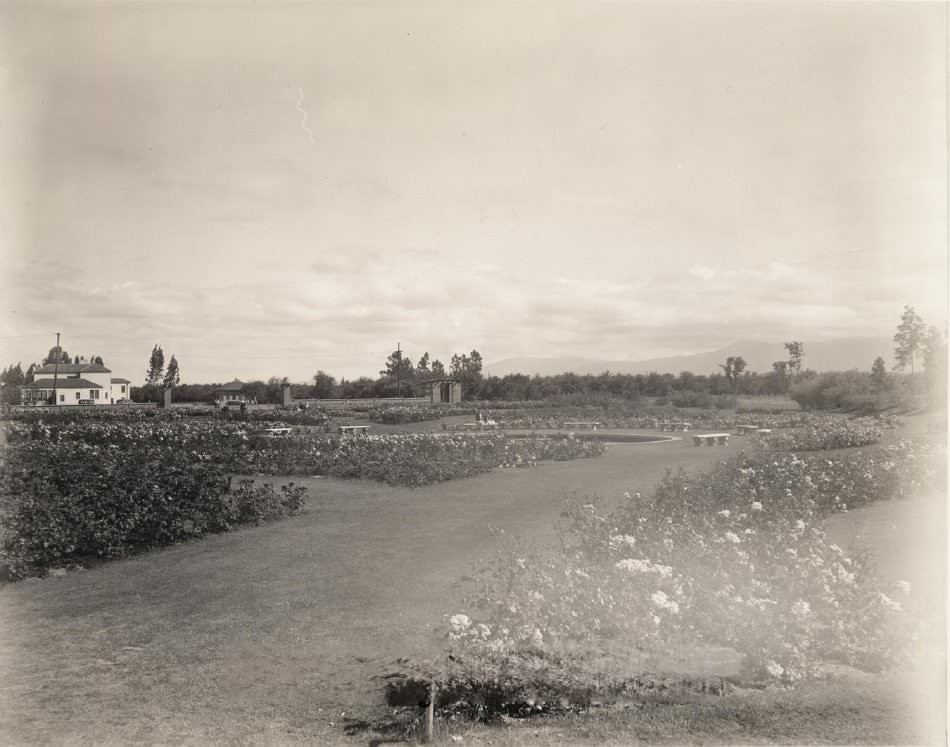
398	369
56	369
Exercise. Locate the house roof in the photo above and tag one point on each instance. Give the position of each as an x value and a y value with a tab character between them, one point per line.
72	368
63	384
233	386
120	381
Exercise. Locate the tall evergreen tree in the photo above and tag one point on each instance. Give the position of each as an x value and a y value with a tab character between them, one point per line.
56	355
156	363
909	339
878	375
172	376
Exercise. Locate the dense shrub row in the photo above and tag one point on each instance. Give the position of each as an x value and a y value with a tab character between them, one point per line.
650	420
827	433
395	415
857	391
290	416
733	558
405	459
703	399
67	498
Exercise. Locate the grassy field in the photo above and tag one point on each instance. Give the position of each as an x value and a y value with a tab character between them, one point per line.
270	635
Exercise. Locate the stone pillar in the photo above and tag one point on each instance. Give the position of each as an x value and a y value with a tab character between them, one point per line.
286	396
166	397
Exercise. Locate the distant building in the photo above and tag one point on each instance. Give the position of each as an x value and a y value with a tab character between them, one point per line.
232	394
74	384
445	391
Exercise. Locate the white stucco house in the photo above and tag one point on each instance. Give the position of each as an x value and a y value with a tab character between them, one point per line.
80	383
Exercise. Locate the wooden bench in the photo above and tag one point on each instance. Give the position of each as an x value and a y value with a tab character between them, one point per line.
355	430
745	430
278	431
721	439
582	425
764	431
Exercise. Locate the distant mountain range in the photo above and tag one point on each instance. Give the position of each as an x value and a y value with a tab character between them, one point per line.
837	355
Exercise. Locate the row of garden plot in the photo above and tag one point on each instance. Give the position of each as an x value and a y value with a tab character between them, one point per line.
735	558
397	459
106	489
801	431
68	500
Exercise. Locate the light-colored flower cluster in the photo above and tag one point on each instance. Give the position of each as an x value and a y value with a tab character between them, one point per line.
635	565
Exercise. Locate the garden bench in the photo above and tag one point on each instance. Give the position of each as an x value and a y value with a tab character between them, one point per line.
356	430
764	431
722	439
745	430
582	425
278	431
674	427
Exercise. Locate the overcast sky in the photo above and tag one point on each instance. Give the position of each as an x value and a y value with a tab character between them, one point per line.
279	188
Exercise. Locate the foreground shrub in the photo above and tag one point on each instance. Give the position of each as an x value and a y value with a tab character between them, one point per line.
733	559
66	499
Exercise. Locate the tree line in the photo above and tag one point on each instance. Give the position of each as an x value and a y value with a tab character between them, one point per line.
917	347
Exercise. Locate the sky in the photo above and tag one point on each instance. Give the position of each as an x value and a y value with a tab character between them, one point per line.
269	189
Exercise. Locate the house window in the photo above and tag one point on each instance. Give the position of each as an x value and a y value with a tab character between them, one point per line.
62	397
78	395
95	393
123	389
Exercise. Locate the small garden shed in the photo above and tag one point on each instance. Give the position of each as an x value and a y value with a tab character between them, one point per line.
231	394
445	391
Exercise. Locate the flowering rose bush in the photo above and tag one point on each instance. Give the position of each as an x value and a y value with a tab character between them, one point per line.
826	432
735	558
393	415
397	459
117	415
106	488
806	485
68	498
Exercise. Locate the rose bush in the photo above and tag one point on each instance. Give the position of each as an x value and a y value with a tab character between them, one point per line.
827	432
734	559
68	498
397	459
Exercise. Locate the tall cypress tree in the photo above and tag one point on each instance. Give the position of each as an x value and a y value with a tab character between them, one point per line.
156	363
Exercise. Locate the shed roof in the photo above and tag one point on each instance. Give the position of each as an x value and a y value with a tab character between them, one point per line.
120	381
233	386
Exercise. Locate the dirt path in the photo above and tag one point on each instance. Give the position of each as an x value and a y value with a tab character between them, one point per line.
251	635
